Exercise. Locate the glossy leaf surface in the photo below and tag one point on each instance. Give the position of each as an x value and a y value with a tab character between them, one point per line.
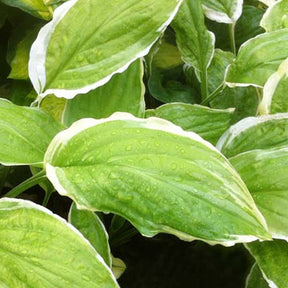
89	224
258	59
208	123
272	258
124	92
265	174
110	35
128	166
40	249
252	133
25	134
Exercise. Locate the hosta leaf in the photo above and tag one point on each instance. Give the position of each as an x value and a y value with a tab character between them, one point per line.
275	17
208	123
195	42
40	249
279	103
166	86
255	278
243	99
255	133
270	88
25	134
217	68
272	258
19	47
224	11
110	35
258	59
89	224
128	166
34	7
265	174
124	92
248	25
54	106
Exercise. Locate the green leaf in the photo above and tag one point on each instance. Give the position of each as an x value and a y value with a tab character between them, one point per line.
167	86
124	92
54	106
217	68
258	59
110	35
118	267
208	123
89	224
265	174
252	133
19	48
248	25
243	99
270	88
255	278
223	11
275	17
272	258
25	134
279	102
40	249
34	7
195	42
127	166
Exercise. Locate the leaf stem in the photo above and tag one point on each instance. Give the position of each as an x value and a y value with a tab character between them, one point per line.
213	95
32	181
232	37
204	84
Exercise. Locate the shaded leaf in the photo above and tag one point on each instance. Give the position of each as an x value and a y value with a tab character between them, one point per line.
243	99
255	278
124	92
19	48
39	249
89	224
25	134
272	258
34	7
208	123
130	165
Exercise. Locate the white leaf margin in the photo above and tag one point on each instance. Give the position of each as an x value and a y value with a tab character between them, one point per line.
243	125
269	281
222	17
38	52
152	123
27	204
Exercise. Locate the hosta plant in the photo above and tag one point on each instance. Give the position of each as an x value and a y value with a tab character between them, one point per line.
151	117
